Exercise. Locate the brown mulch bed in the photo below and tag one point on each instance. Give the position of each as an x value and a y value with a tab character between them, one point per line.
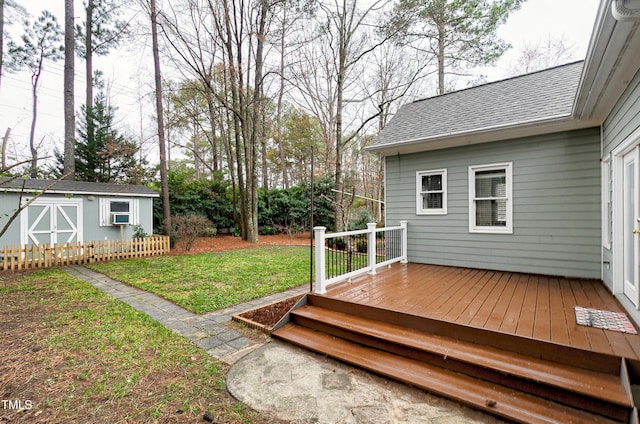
268	316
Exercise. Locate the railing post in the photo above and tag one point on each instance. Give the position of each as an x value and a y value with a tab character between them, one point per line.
320	263
371	247
405	235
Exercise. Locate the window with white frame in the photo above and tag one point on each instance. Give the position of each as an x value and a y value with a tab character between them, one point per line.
431	192
115	210
490	198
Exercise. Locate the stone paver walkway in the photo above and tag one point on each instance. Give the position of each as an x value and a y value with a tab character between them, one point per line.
207	331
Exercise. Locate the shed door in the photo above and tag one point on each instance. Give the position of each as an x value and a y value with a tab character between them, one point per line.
52	220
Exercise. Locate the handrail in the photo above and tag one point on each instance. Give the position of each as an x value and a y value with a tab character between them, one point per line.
342	254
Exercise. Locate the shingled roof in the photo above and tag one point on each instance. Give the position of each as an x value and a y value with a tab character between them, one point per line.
77	187
517	101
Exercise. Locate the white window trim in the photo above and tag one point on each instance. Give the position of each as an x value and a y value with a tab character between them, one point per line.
432	211
105	210
508	228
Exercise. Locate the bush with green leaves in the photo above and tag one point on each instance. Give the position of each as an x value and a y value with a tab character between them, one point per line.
286	211
268	230
202	197
363	216
289	210
139	232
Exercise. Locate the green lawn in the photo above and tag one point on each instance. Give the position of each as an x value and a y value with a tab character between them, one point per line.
209	281
74	354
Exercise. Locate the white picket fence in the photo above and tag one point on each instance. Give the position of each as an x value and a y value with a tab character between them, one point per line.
31	256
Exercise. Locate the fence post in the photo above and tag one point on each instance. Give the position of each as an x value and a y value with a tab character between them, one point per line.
320	264
371	247
405	235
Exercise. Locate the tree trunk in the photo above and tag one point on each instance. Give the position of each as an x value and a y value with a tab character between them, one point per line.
69	107
257	130
441	39
5	140
212	123
283	158
33	173
263	145
164	179
1	35
88	45
342	59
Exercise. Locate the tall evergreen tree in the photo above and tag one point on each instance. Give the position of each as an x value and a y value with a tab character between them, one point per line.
97	35
108	156
458	34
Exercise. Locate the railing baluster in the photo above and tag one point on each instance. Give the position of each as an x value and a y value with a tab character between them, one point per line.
344	255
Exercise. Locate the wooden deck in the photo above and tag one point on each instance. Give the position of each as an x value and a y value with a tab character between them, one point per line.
504	343
533	306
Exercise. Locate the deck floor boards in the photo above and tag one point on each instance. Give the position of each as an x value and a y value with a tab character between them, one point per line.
533	306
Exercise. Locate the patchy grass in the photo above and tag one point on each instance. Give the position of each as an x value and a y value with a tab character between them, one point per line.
209	281
70	353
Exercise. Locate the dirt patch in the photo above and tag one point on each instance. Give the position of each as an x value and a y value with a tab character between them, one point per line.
44	381
265	317
223	242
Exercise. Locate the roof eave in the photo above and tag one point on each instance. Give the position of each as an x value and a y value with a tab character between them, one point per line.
75	192
485	135
611	62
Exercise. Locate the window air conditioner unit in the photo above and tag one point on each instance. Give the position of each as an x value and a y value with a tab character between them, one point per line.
119	218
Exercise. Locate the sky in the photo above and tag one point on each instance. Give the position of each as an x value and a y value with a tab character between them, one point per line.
130	74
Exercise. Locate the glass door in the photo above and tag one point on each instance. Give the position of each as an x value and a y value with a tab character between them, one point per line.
631	225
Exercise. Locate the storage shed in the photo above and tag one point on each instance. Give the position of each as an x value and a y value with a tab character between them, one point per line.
73	211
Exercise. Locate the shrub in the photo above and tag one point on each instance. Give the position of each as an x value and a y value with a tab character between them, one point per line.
363	217
210	231
268	230
187	228
139	232
361	246
337	243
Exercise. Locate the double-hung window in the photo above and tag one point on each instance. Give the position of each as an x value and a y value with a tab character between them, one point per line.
431	192
490	198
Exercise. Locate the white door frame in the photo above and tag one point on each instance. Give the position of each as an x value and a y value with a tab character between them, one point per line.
55	203
618	154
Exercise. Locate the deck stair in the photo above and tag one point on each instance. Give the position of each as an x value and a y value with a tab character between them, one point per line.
557	384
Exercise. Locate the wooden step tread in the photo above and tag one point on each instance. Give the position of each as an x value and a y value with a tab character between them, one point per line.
598	385
493	399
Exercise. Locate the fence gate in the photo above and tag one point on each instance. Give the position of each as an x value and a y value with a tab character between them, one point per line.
50	220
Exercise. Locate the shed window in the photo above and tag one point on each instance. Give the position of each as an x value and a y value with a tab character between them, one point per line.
119	207
110	206
490	199
431	192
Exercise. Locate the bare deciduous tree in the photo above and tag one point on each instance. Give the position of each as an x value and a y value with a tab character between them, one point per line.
542	55
41	41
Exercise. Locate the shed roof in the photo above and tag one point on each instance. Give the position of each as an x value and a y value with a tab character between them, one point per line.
539	96
77	187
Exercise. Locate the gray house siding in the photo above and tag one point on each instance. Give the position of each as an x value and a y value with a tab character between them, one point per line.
623	120
556	206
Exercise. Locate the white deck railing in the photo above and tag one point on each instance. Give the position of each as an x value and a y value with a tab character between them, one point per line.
340	256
